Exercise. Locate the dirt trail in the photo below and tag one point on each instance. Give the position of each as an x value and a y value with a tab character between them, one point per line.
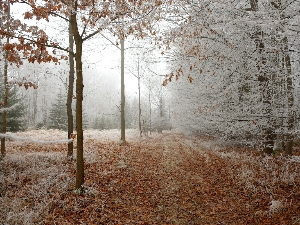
190	184
164	179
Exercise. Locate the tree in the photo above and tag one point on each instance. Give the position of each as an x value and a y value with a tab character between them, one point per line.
150	82
58	114
122	18
70	91
140	52
153	84
131	113
96	15
5	80
138	75
240	74
114	11
99	123
9	27
122	91
16	109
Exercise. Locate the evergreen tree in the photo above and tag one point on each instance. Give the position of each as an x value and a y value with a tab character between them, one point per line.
58	114
15	120
99	123
85	122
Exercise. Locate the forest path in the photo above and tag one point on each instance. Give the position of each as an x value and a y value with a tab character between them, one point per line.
166	178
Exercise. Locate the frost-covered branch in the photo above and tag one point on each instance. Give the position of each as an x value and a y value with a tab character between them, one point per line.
10	108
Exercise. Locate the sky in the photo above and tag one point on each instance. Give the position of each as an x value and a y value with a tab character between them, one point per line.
99	54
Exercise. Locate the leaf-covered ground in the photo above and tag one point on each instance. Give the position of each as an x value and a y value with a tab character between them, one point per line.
162	179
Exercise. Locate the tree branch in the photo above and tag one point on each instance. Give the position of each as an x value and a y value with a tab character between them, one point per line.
41	44
91	35
110	41
55	14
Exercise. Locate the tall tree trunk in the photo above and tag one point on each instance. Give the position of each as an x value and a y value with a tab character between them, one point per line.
35	96
70	92
160	129
287	69
122	93
139	86
79	99
35	107
3	150
290	98
266	90
45	118
140	110
265	83
150	113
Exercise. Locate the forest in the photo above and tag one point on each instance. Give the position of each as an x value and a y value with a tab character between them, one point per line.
149	112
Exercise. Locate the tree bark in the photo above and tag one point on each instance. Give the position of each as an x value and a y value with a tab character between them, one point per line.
140	111
122	93
287	69
35	96
264	82
3	150
160	129
290	98
150	113
265	79
79	99
70	92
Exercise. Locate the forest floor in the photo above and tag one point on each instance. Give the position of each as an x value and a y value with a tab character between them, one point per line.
165	178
